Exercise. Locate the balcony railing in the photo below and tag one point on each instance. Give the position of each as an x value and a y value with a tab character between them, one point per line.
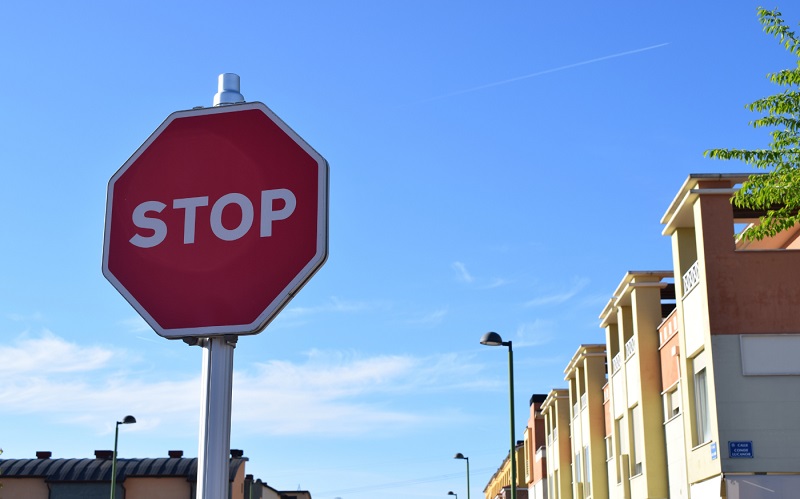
691	278
630	347
616	362
583	400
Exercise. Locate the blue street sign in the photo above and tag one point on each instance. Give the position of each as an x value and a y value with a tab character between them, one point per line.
740	449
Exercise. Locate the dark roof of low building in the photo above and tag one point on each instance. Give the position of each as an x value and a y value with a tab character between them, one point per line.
99	470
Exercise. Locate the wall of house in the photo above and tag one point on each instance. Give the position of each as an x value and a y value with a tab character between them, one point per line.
29	488
761	409
237	485
674	437
556	415
157	488
694	336
752	290
669	352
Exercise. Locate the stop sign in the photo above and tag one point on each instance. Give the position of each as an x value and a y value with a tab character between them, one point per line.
216	221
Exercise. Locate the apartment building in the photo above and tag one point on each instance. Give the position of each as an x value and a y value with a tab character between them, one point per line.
534	443
702	392
738	345
556	412
586	375
499	486
634	430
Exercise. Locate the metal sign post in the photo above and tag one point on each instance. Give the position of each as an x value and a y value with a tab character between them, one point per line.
215	417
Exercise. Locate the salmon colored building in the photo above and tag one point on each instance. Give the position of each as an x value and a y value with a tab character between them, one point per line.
556	412
535	451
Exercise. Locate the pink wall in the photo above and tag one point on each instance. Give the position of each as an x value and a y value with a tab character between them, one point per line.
748	291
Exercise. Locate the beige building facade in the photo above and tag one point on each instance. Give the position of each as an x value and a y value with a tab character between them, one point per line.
586	375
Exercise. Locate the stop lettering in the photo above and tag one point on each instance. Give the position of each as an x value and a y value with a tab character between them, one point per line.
143	218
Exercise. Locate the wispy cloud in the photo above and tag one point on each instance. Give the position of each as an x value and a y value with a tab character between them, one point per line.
33	317
547	71
462	274
433	318
48	354
560	297
497	282
135	324
536	333
338	393
333	305
294	316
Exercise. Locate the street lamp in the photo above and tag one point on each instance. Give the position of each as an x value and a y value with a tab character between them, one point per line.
462	456
451	493
126	420
494	340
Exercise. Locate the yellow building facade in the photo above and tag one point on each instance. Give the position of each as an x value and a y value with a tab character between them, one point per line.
635	444
586	375
499	486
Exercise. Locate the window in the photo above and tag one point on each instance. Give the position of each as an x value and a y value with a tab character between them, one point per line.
587	470
702	422
637	444
577	467
672	403
609	448
622	444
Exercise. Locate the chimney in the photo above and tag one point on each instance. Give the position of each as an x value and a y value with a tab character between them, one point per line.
43	454
237	453
103	454
175	454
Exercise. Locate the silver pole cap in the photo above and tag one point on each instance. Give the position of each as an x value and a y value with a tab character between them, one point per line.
228	90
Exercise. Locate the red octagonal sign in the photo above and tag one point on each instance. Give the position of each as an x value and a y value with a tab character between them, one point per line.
216	221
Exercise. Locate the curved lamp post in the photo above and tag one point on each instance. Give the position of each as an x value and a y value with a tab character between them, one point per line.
462	456
126	420
493	339
451	493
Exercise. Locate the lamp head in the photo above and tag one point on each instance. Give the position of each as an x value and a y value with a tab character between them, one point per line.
492	339
451	493
127	420
460	456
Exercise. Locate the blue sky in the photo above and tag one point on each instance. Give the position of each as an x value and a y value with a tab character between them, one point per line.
494	166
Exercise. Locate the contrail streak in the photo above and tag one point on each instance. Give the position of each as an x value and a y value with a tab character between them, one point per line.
548	71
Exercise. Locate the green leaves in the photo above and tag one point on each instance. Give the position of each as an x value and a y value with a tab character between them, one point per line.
774	25
776	193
